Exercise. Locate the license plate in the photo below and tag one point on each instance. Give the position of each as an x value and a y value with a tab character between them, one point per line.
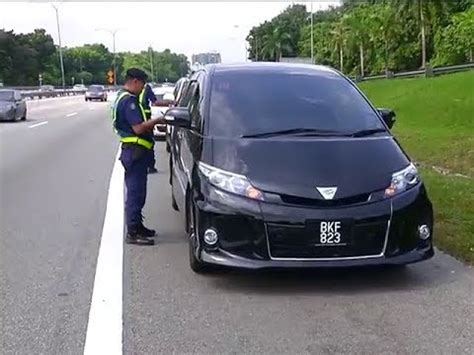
332	233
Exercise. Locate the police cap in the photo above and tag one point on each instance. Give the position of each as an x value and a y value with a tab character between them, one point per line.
135	73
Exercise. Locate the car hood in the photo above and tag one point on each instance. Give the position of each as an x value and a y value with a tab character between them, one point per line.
297	166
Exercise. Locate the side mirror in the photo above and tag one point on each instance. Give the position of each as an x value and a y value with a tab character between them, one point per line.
178	117
388	116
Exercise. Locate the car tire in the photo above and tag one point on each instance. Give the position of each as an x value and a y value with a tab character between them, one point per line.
24	117
174	204
194	263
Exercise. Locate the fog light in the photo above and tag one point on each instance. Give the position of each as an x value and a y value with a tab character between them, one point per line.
424	232
210	237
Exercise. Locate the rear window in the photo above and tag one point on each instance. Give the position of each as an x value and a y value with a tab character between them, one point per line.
246	103
6	95
96	88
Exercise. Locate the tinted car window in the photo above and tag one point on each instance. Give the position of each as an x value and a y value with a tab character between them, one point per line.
246	103
6	95
96	88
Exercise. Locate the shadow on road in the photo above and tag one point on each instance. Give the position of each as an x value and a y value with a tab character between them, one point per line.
441	270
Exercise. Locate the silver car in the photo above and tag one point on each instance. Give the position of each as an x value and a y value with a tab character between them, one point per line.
12	106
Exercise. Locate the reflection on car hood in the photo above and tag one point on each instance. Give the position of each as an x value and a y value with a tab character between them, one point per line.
297	166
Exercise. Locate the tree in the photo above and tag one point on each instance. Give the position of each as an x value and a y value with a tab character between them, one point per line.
455	43
339	37
275	42
424	11
357	25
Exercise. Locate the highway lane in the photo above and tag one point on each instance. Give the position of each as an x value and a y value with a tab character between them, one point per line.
53	189
54	181
427	308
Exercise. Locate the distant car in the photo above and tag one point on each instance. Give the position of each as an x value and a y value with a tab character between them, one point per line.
165	98
79	87
96	92
12	106
46	88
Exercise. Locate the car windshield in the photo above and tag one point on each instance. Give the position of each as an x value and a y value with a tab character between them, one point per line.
6	96
96	88
255	103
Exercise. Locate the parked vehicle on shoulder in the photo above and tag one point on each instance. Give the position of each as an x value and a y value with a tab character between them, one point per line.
165	99
12	105
282	166
96	92
79	87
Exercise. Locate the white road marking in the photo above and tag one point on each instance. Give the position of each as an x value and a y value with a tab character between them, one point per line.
104	329
71	114
38	124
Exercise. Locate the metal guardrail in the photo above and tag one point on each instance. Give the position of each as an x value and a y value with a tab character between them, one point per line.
47	94
428	72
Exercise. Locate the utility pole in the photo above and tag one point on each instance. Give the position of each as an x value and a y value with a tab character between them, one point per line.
113	32
312	41
151	64
61	62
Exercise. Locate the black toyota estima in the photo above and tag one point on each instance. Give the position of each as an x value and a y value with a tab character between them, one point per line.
279	165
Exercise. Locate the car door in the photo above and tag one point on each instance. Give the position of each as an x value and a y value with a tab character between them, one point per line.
179	170
20	105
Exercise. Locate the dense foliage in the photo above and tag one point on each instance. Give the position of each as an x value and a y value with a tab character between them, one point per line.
363	37
23	57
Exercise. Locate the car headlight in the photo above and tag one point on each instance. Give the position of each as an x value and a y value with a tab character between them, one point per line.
230	182
403	180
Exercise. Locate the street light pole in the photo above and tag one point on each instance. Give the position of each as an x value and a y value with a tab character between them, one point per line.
312	42
113	32
60	46
151	64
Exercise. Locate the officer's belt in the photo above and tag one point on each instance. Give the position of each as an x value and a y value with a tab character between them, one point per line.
137	140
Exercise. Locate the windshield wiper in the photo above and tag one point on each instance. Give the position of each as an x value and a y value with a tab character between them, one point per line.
295	131
367	132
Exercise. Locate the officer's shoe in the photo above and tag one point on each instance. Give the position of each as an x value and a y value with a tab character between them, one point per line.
149	233
152	170
134	237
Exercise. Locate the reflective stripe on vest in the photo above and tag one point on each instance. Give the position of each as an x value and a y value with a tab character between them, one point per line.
141	97
129	139
137	140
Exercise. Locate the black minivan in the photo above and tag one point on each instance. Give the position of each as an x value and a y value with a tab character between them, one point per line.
280	165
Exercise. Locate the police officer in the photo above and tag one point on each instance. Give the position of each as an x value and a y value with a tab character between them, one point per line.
136	135
146	97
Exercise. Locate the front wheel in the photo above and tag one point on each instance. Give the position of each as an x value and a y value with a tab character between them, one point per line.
196	265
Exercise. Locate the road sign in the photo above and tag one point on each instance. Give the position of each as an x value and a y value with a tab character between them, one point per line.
110	73
110	79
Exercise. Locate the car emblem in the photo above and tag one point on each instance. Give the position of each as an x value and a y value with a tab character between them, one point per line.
327	192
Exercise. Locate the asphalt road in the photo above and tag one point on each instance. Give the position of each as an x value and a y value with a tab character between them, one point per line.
54	183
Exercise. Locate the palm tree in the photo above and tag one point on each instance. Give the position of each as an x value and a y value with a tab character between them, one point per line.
383	25
275	42
357	24
423	11
339	38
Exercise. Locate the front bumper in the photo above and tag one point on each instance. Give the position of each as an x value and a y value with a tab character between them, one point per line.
244	234
223	258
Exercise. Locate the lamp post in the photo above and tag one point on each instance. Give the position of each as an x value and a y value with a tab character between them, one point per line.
56	8
113	32
312	42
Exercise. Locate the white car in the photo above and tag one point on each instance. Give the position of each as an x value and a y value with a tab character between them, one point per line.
165	99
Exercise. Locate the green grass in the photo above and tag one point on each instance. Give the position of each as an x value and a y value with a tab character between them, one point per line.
435	124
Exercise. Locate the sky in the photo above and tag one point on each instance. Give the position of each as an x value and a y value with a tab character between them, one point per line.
183	27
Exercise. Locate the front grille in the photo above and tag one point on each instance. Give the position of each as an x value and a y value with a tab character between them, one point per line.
364	238
304	201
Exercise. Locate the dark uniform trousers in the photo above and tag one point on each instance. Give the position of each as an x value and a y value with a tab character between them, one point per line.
135	160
